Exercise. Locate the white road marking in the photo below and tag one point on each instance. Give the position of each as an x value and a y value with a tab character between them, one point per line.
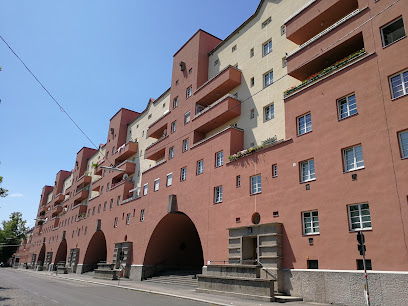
55	301
35	292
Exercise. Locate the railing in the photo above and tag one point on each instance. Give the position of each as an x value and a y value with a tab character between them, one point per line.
157	141
120	183
213	104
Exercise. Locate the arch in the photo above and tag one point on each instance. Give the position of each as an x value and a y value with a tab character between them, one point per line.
41	255
95	252
61	252
175	243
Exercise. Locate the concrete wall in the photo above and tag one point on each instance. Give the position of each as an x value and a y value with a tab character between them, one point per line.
346	287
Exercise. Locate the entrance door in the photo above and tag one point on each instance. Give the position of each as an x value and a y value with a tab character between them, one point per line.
249	250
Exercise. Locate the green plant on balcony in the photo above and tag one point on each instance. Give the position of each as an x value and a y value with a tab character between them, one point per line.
95	165
82	215
266	143
325	71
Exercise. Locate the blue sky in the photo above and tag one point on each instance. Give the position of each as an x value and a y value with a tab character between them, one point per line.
94	57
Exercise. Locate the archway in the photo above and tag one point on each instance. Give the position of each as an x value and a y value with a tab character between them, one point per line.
96	252
41	255
175	244
61	252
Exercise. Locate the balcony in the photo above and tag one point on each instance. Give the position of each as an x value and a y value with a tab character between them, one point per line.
59	198
84	180
126	151
217	114
315	17
125	187
81	195
157	150
218	86
97	167
158	128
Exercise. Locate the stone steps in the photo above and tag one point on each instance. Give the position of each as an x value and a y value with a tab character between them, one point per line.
179	278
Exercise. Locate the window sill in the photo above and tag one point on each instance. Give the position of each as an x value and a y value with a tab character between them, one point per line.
308	181
353	170
406	157
393	99
311	234
215	203
253	194
384	47
361	229
219	166
341	119
304	133
274	176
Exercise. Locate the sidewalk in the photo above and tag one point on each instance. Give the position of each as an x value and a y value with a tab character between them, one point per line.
163	289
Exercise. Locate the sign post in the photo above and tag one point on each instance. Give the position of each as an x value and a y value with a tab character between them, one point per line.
362	248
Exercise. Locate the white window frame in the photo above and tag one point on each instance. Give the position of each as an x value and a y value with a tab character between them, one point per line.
115	223
268	78
142	215
171	152
145	188
200	166
251	52
284	62
256	184
404	84
267	47
156	184
187	117
353	158
189	92
274	170
238	181
266	22
219	159
252	114
169	180
218	194
358	218
310	220
269	112
183	174
403	142
173	126
185	145
175	102
388	24
127	219
307	171
302	124
349	103
283	29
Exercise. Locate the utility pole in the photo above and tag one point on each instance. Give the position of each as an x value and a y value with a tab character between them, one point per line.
362	248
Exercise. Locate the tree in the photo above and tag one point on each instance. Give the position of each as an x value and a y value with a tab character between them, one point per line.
11	235
3	192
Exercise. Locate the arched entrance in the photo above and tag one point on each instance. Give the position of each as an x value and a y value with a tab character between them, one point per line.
41	256
175	244
96	252
61	252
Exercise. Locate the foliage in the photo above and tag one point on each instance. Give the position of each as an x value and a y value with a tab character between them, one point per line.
266	143
3	192
12	232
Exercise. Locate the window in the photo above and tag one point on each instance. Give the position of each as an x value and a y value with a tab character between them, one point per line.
252	114
185	145
218	194
392	32
219	159
175	102
118	201
266	22
251	52
235	95
200	167
269	112
359	217
142	215
173	126
238	181
187	117
304	124
312	264
101	190
89	212
190	71
310	222
268	78
307	171
353	158
145	187
171	153
111	204
156	184
399	84
99	208
275	170
284	62
93	210
107	187
189	92
252	82
127	219
183	174
149	117
403	141
283	30
256	184
104	206
267	47
216	62
234	48
169	179
115	224
360	265
347	106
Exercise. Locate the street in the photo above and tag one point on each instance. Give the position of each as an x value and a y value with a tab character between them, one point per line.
19	288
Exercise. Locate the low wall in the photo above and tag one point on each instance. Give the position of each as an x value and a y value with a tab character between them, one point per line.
347	287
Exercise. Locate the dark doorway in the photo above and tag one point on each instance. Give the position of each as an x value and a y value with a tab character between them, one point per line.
61	252
249	249
96	252
41	256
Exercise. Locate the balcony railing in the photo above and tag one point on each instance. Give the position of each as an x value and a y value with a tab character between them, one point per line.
125	151
325	72
154	153
158	127
59	198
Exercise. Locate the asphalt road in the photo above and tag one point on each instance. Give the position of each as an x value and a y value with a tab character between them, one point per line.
17	288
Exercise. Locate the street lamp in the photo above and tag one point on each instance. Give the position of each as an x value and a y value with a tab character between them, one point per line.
112	168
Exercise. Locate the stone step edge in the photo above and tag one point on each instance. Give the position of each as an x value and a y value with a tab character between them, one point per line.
238	295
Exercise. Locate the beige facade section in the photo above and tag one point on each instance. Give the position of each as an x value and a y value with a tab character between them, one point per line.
236	50
49	197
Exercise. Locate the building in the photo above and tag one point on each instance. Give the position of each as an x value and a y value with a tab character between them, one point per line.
275	146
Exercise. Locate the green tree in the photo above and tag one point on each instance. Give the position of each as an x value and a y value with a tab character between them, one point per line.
11	235
3	192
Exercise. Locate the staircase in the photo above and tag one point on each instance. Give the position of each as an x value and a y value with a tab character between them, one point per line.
185	278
